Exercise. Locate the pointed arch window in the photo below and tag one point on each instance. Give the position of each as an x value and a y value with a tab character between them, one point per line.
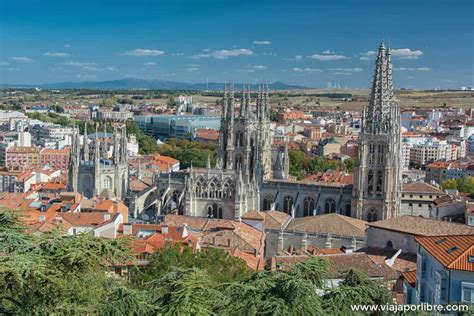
329	206
238	162
107	183
381	153
239	139
308	206
370	182
372	216
379	182
267	203
287	204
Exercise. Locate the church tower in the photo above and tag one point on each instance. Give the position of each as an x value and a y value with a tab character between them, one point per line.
244	141
377	179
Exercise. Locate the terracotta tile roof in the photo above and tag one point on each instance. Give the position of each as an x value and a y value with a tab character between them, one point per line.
404	261
421	226
330	176
210	134
275	220
340	263
254	263
86	219
197	223
255	215
137	185
453	252
360	262
324	251
53	186
410	277
420	187
334	224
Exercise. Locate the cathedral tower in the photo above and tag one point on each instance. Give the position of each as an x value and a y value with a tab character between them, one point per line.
377	179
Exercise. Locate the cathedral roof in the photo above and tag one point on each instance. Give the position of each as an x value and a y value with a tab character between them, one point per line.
421	226
333	224
420	187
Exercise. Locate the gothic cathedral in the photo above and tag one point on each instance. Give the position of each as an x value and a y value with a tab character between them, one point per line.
377	179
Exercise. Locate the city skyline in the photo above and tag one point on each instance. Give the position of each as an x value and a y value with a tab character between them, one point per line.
301	43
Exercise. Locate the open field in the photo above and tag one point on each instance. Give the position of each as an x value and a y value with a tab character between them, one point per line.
312	99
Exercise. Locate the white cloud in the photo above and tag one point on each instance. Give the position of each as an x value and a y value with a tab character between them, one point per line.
308	70
327	57
150	63
56	54
298	57
328	52
193	65
177	54
368	55
67	45
262	42
23	59
206	50
346	69
343	73
192	69
80	64
224	53
406	53
4	63
413	69
403	53
199	56
259	67
247	70
112	68
140	52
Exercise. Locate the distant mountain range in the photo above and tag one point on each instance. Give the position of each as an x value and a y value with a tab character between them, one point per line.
134	84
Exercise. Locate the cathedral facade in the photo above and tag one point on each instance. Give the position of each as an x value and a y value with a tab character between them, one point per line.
377	181
250	174
95	173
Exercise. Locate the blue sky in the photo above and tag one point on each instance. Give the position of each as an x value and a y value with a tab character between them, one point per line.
299	42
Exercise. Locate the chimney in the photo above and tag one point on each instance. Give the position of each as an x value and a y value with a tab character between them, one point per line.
280	241
164	229
127	229
328	244
347	249
304	242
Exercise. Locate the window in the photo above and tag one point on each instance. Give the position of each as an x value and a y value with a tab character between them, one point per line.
470	259
329	206
308	206
389	245
267	204
372	216
410	204
467	292
421	265
370	181
107	183
420	205
287	204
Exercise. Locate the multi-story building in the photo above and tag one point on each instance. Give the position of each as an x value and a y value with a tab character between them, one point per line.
180	126
116	116
421	154
55	132
445	270
418	198
55	158
443	170
21	156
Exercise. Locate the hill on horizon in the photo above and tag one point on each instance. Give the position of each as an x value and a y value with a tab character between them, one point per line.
135	83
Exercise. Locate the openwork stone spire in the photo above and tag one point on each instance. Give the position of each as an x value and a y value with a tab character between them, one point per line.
379	114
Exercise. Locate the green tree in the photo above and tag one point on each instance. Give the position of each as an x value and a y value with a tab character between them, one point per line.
450	184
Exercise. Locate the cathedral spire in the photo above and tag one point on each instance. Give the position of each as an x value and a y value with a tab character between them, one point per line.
378	115
86	143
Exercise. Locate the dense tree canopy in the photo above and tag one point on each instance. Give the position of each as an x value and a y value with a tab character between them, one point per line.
55	274
302	164
463	184
186	151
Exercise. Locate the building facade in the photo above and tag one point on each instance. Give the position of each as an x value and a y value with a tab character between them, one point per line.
94	173
377	180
